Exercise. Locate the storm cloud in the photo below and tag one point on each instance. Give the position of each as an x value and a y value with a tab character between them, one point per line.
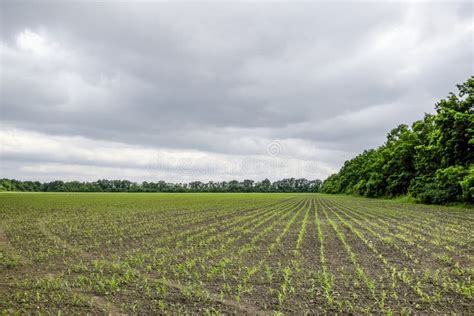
201	91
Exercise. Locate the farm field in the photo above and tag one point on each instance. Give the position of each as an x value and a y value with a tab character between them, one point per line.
232	253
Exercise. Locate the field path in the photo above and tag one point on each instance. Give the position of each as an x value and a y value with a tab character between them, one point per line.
7	247
64	244
105	305
246	308
4	243
97	301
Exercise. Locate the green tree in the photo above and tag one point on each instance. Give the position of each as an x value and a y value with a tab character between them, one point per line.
432	160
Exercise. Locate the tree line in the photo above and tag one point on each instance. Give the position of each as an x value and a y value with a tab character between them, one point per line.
431	161
285	185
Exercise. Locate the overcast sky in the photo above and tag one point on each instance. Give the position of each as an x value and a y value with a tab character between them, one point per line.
192	91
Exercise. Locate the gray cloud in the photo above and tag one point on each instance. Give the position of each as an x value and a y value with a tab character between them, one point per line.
324	80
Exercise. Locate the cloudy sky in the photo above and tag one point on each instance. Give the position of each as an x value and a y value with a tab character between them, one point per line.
217	91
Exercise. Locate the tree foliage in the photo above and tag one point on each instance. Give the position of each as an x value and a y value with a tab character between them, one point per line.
433	160
285	185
